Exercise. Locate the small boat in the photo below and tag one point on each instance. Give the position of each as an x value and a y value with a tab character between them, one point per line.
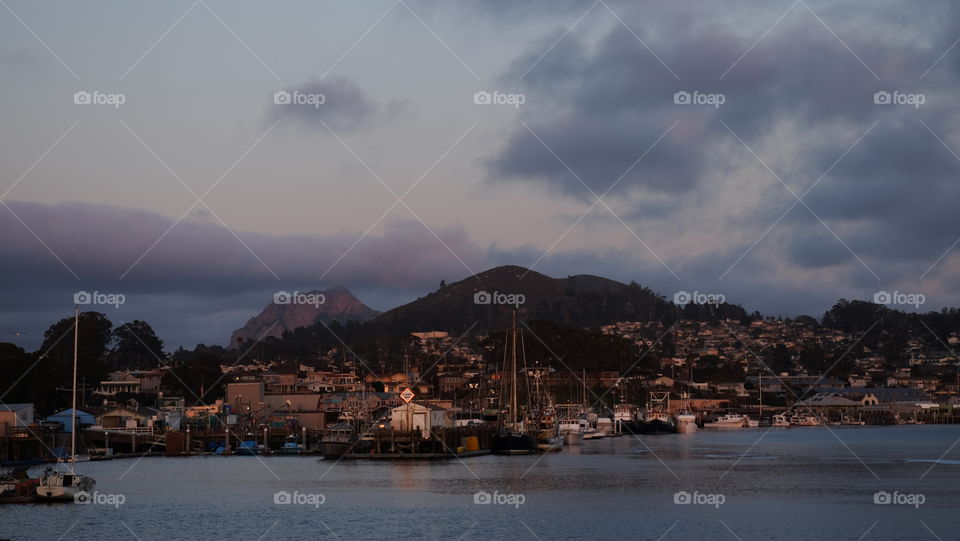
780	420
804	420
729	420
247	448
18	487
55	485
291	447
58	486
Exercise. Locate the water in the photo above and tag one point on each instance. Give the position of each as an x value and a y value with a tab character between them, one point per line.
813	483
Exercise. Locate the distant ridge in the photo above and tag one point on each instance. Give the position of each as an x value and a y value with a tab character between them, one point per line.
338	304
583	300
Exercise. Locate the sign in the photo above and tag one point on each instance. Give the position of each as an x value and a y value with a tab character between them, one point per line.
407	395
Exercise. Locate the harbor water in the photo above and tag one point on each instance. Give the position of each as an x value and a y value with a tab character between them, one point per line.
877	483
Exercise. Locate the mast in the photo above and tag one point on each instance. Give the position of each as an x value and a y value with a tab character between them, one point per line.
760	388
513	373
73	412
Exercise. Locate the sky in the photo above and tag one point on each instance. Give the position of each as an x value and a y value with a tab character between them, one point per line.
781	154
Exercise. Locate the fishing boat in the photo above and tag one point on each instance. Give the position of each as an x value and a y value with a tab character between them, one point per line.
542	420
685	420
656	417
339	439
55	485
513	436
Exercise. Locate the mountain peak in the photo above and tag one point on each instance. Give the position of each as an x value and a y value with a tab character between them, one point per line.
292	310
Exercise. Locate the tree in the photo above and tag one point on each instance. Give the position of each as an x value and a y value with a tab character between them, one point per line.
55	359
136	346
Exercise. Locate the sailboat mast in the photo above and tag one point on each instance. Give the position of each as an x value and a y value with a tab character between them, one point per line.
760	389
513	372
73	411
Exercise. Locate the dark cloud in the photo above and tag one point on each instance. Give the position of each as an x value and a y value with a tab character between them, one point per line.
336	101
203	265
799	98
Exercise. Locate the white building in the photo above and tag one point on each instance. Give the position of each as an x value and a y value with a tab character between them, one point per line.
418	416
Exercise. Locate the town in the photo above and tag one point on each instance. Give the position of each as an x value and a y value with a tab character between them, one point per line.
451	389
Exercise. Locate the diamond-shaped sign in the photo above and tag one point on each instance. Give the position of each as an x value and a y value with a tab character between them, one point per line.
407	395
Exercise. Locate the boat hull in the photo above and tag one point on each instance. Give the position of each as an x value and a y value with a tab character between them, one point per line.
513	443
333	449
655	426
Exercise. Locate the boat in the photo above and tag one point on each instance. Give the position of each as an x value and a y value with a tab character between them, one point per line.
290	446
656	418
55	485
685	420
780	420
729	420
248	447
542	419
17	487
339	439
804	420
512	436
570	423
850	421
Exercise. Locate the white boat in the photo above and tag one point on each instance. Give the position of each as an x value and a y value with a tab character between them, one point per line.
780	421
59	486
56	485
752	423
686	423
685	420
804	420
730	420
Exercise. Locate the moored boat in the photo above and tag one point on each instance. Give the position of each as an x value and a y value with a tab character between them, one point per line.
729	420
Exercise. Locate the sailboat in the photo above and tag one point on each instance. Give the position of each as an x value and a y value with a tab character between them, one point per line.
543	416
512	437
56	485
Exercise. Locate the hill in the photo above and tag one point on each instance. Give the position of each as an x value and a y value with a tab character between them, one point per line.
489	298
338	305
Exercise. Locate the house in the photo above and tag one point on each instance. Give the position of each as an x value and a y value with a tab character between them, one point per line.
124	418
64	417
16	415
419	416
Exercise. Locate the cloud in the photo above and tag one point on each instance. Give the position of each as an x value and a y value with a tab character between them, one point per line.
203	265
335	101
